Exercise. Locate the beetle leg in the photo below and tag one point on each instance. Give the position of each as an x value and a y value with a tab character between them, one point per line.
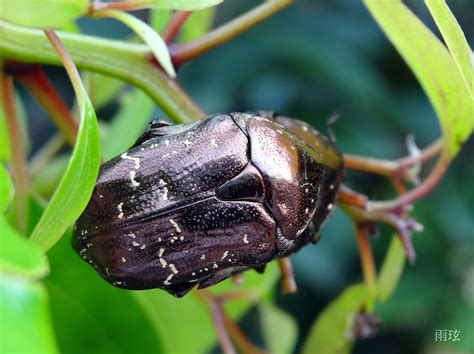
180	290
219	276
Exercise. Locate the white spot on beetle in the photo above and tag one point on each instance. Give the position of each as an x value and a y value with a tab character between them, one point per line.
203	257
306	210
101	196
224	255
162	183
167	142
215	266
135	244
187	143
165	193
123	259
331	187
167	281
160	252
246	240
132	178
107	271
119	207
206	269
136	160
306	190
176	226
193	274
330	206
132	235
89	245
173	268
142	247
163	263
214	143
305	128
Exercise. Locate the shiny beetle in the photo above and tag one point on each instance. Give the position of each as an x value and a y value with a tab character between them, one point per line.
193	204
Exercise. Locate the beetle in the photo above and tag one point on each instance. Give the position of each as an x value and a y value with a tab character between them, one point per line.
193	204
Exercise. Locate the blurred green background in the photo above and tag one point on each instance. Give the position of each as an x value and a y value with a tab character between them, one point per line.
311	60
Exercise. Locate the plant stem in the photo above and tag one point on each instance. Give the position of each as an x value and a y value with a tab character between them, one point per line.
19	164
129	62
387	167
184	52
288	283
174	25
367	261
38	84
424	188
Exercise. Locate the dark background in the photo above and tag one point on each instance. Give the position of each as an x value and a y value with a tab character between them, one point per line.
311	60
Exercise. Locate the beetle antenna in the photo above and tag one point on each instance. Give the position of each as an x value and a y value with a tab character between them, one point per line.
333	118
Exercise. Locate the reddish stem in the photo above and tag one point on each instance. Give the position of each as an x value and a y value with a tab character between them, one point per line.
399	204
240	339
387	167
19	164
288	282
38	84
174	25
367	257
184	52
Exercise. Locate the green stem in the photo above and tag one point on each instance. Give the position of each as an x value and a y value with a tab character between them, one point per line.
127	61
184	52
19	165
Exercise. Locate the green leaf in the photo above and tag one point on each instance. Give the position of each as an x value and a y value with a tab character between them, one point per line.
454	38
190	316
17	256
46	180
189	5
159	19
434	67
102	89
128	124
90	313
145	32
44	13
391	270
279	329
25	324
197	24
331	332
75	188
6	188
4	140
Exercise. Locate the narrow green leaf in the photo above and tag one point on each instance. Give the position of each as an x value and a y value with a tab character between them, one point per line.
434	67
25	324
197	24
77	183
17	256
145	32
189	5
279	329
44	13
331	332
128	124
6	188
454	38
391	270
159	19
